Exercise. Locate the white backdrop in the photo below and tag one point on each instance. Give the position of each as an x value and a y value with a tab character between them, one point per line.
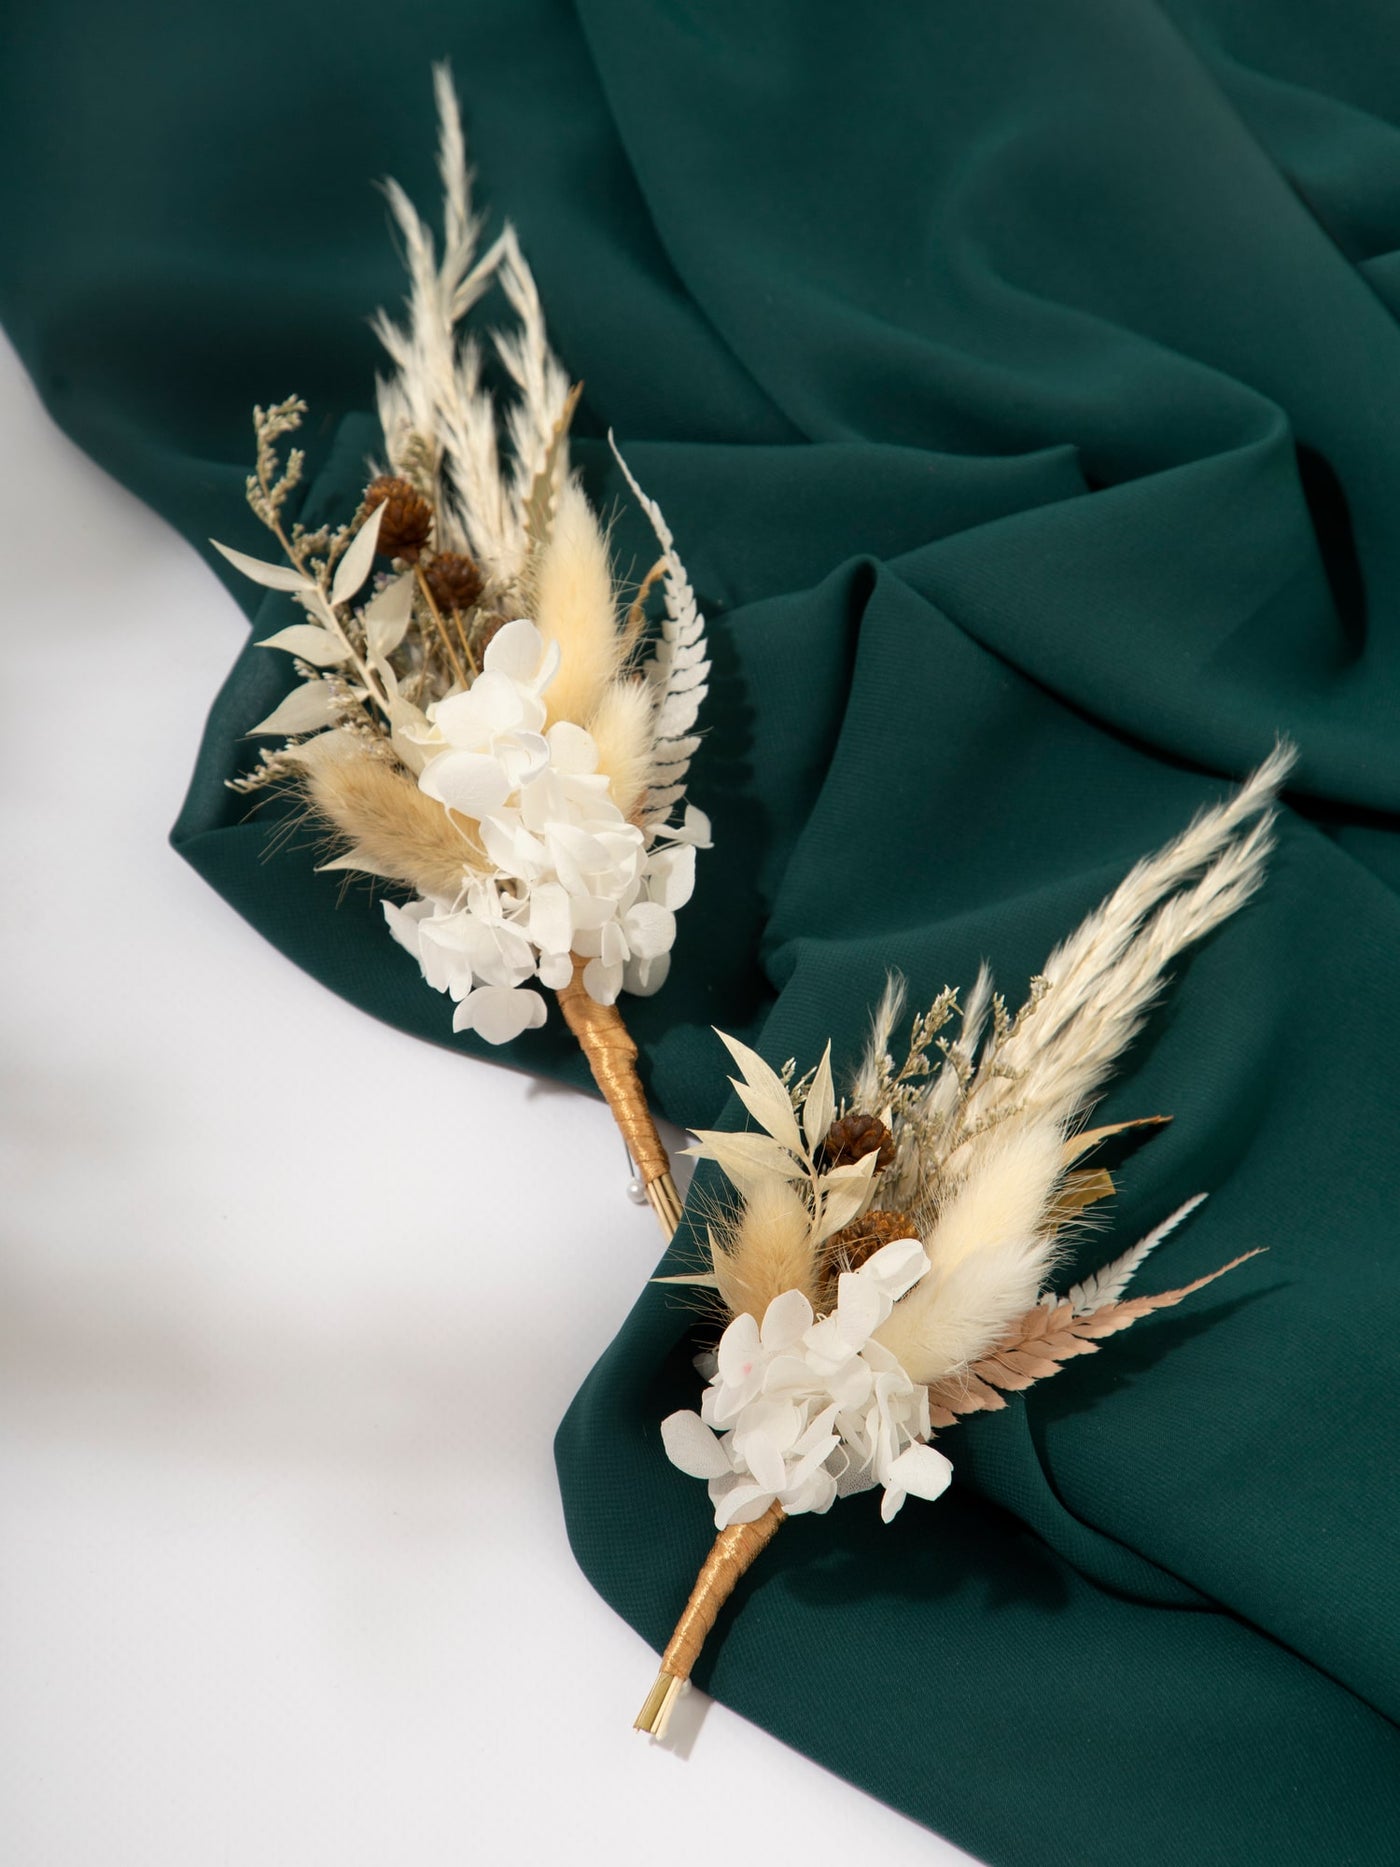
290	1306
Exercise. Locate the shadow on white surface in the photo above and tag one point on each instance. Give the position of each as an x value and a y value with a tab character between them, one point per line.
289	1313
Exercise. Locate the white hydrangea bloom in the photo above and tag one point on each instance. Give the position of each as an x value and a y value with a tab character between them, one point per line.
572	875
811	1409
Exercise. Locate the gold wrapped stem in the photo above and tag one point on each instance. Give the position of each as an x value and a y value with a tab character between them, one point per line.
735	1550
612	1057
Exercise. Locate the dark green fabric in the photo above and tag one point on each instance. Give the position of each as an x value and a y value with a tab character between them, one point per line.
1022	383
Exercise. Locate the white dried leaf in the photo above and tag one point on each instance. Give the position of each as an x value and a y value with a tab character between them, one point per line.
356	861
386	616
844	1192
305	710
763	1095
309	643
271	576
819	1110
354	567
749	1160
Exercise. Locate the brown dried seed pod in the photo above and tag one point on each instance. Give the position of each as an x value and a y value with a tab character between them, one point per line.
863	1237
407	524
852	1138
483	636
453	580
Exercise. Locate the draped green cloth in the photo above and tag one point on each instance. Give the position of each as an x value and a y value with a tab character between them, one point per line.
1022	384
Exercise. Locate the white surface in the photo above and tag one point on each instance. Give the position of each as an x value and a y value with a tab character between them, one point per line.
283	1580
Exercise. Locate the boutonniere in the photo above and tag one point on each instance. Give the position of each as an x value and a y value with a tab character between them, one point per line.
482	715
888	1262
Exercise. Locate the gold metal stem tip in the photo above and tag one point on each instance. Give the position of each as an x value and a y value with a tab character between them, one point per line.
655	1715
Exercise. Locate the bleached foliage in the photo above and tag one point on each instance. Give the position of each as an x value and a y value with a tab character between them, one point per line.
486	724
969	1155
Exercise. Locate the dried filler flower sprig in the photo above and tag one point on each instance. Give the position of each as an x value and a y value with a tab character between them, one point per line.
482	715
888	1262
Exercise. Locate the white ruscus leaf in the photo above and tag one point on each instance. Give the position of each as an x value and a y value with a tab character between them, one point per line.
386	616
819	1109
763	1095
305	710
309	643
844	1191
355	565
749	1160
271	576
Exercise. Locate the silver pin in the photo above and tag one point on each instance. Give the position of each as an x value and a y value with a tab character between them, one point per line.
636	1186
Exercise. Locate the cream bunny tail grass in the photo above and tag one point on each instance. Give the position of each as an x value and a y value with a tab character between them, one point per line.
392	828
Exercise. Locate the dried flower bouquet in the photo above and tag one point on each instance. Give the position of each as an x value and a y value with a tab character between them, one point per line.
482	716
888	1264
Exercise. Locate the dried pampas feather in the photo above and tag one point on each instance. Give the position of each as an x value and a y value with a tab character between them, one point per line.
833	1374
1109	1283
483	722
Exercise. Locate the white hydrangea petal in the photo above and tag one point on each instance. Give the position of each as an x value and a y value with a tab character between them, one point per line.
403	922
643	977
861	1306
556	970
612	946
670	876
512	848
515	651
776	1420
695	829
923	1471
896	1267
551	922
590	912
785	1321
813	1496
474	783
579	859
523	757
819	1428
738	1349
445	966
650	929
744	1504
601	982
571	749
787	1373
692	1447
764	1459
891	1503
813	1460
499	1013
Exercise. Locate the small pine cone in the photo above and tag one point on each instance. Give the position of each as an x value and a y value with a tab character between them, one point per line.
407	524
852	1138
862	1238
453	580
